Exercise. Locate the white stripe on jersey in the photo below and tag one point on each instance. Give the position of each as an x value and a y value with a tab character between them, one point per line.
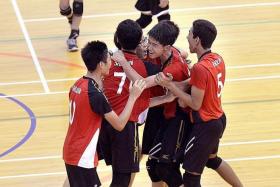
87	159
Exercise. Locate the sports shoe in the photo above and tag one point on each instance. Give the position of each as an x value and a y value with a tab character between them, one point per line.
72	45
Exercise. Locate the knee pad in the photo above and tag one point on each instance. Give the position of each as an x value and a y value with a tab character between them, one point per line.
164	17
214	163
78	8
191	180
170	174
120	179
66	12
144	20
151	169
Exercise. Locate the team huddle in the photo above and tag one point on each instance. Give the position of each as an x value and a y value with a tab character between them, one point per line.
148	80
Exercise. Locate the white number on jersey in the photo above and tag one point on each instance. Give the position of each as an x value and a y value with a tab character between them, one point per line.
220	84
123	77
72	109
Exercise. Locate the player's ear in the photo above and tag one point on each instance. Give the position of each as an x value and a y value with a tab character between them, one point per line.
167	47
197	39
101	64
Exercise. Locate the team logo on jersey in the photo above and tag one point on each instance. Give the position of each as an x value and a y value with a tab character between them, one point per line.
216	62
118	65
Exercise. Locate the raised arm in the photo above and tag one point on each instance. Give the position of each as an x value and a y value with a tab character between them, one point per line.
130	72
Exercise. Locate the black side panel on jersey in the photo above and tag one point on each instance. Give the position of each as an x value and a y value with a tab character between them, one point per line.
151	68
97	100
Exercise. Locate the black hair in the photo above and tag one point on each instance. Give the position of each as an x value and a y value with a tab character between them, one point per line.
93	53
128	35
206	31
165	32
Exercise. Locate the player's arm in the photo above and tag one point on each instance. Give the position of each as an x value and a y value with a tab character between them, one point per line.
155	101
130	72
194	100
119	122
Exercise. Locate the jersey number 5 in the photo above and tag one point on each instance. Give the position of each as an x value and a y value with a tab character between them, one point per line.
220	84
72	109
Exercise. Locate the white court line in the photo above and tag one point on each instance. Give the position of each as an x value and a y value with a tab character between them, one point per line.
253	66
108	169
36	82
229	67
253	78
66	92
171	10
30	47
35	94
60	156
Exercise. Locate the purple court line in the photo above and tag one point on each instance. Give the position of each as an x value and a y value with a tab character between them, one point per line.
31	129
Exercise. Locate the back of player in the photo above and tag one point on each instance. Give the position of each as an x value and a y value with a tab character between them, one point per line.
121	149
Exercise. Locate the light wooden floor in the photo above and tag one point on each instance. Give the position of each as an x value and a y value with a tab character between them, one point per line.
36	73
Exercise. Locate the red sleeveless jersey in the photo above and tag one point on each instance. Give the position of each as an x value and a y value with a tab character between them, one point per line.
209	75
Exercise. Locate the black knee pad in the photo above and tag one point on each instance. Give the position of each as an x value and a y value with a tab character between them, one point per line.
191	180
144	20
170	174
164	17
151	169
78	8
66	12
214	163
120	179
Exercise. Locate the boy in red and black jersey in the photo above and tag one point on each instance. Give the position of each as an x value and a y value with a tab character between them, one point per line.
163	164
207	80
88	106
121	149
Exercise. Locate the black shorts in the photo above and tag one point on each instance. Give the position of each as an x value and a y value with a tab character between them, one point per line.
170	139
203	141
82	177
120	149
151	7
154	121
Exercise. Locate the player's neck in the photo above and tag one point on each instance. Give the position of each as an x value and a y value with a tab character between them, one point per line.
166	55
96	76
201	52
129	51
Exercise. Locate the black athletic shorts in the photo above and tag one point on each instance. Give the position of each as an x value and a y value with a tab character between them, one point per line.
203	141
154	121
169	141
82	177
120	149
151	7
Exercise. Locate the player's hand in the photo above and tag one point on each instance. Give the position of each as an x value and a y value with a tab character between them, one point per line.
137	88
163	3
169	97
118	56
182	103
163	80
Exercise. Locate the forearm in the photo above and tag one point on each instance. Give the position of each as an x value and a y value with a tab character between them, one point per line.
183	85
183	96
124	116
155	101
130	72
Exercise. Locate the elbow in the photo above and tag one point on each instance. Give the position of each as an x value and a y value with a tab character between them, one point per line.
196	107
120	127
